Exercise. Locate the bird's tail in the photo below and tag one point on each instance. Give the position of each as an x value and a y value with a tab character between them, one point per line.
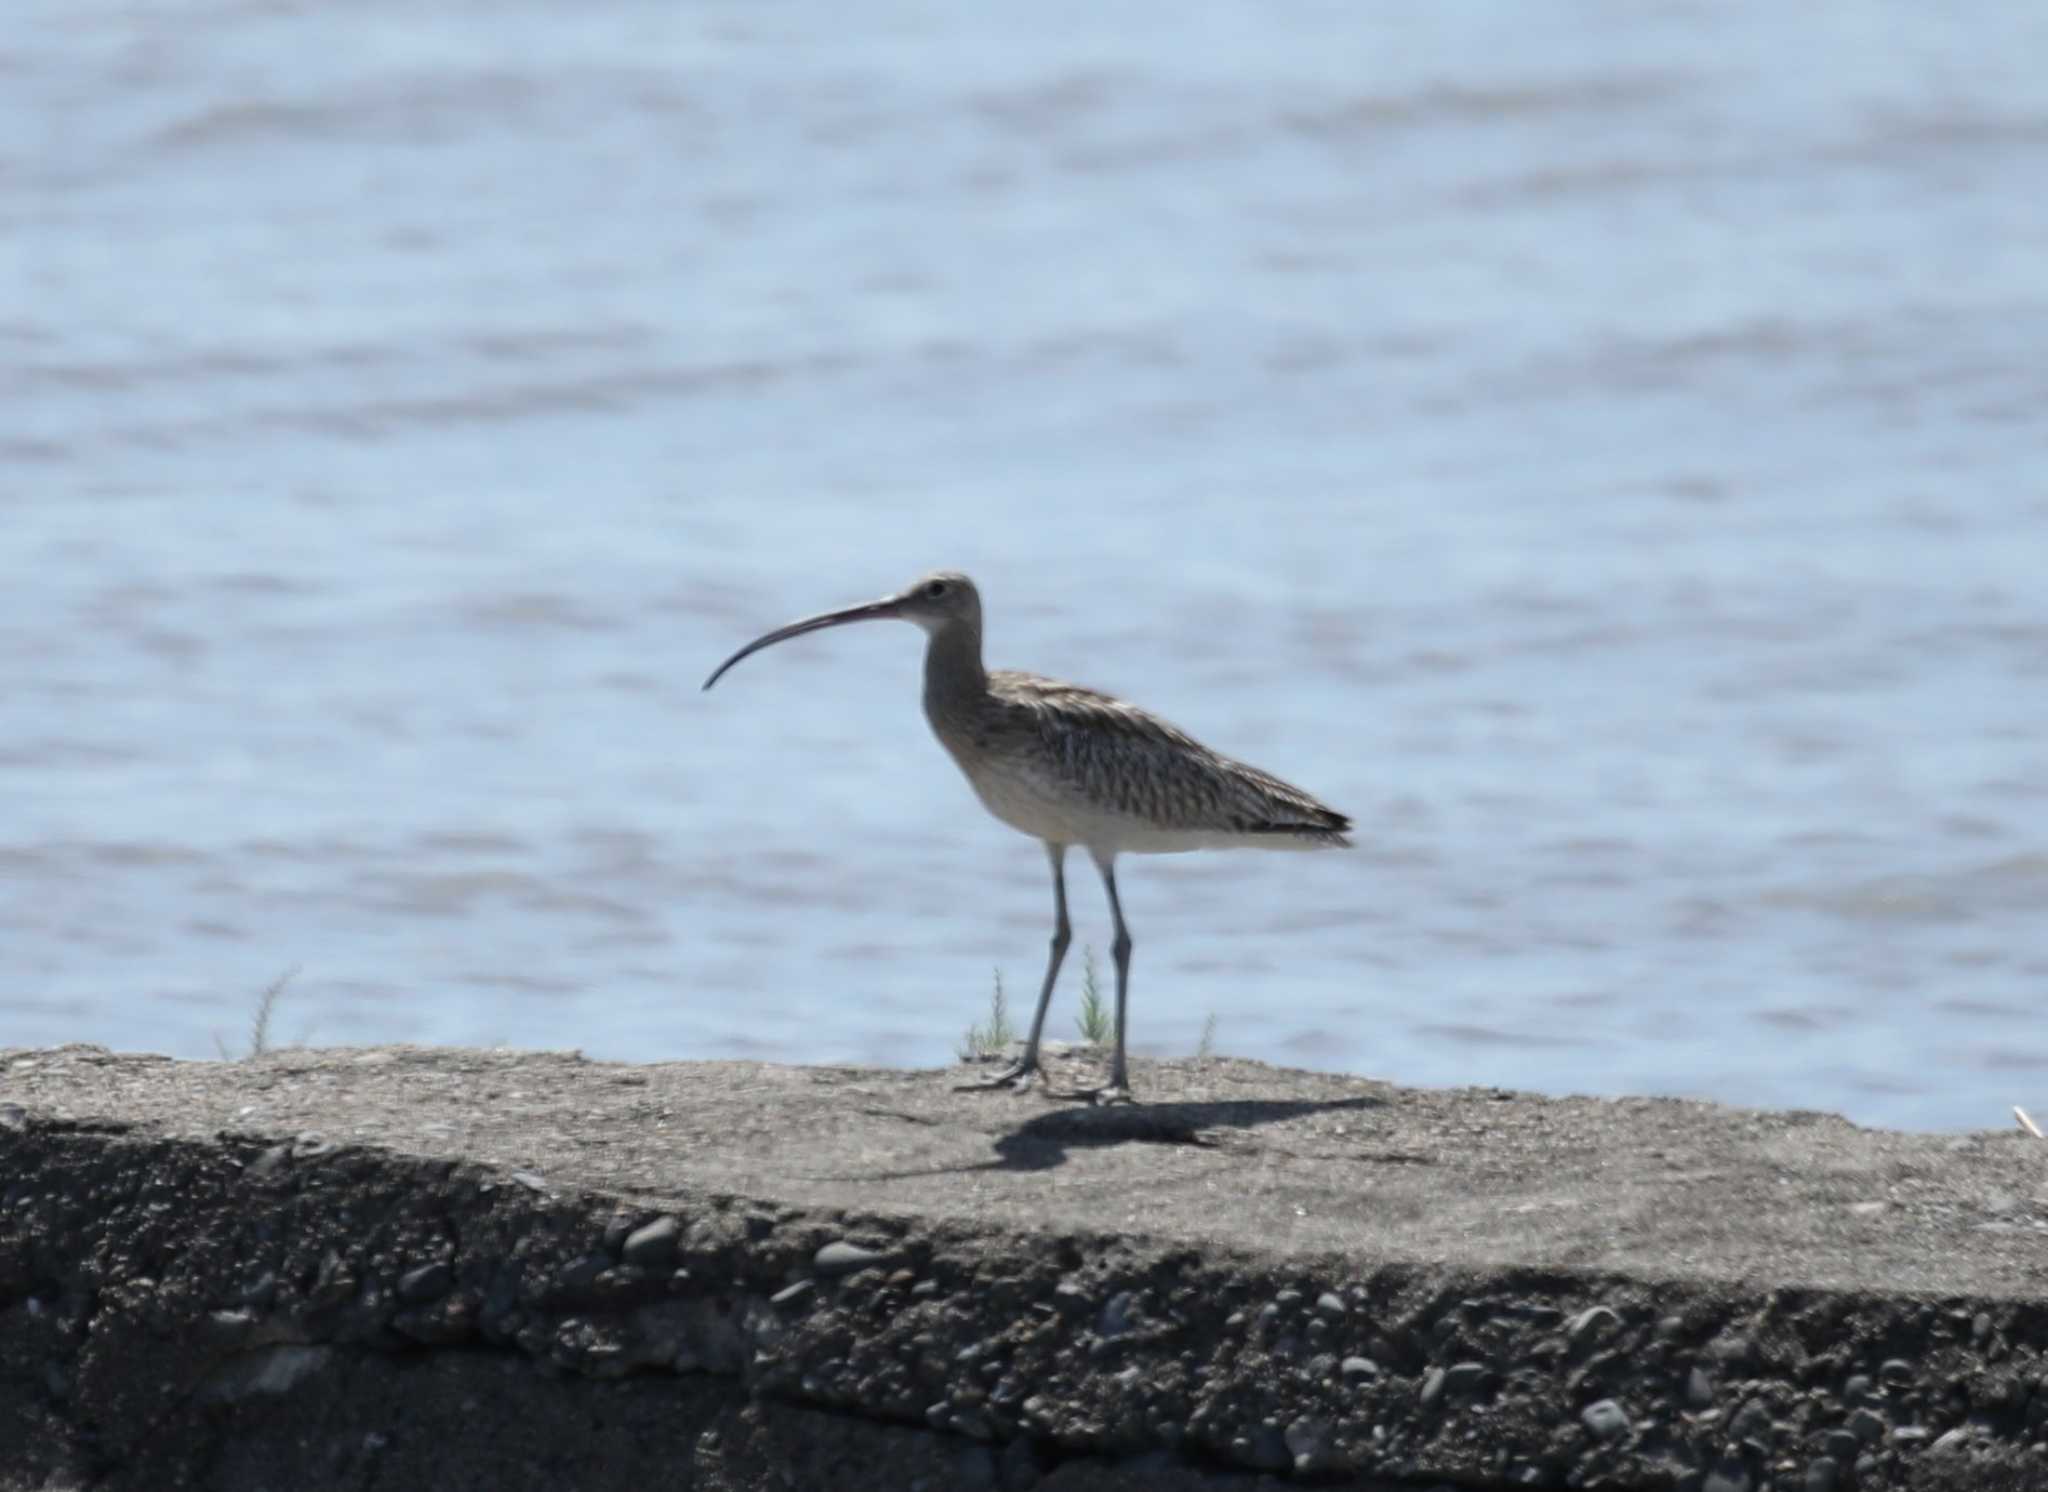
1324	829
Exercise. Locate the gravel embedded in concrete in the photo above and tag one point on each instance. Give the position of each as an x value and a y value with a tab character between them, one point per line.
839	1257
1461	1287
1606	1419
652	1245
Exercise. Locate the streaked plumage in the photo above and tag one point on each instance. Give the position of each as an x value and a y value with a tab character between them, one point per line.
1078	766
1073	766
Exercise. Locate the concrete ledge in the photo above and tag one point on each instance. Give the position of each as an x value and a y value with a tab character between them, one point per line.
455	1269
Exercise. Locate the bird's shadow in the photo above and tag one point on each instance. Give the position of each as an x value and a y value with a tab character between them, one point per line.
1045	1141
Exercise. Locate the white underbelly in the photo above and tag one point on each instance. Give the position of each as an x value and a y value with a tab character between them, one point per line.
1054	811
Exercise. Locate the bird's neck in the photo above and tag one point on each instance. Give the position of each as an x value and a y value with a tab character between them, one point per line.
953	675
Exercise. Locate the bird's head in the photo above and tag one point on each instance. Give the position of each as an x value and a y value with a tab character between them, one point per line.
936	600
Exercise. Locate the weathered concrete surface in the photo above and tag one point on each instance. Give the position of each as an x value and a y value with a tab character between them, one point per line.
455	1269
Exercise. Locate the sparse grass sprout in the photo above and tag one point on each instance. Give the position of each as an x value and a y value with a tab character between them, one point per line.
259	1020
1094	1017
992	1037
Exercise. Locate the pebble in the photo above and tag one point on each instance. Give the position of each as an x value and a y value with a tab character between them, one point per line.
1866	1426
839	1258
1359	1367
1842	1445
1823	1474
583	1273
428	1282
1592	1319
653	1245
1951	1440
1466	1377
13	1116
790	1294
1897	1372
1857	1389
1752	1422
1432	1386
1070	1295
1606	1419
1912	1434
1115	1317
1330	1304
1731	1349
1699	1389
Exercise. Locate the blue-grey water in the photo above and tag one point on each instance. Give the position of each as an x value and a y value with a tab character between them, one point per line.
1602	447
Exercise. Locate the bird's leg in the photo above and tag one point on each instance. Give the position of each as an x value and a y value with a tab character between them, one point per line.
1022	1070
1119	1089
1062	935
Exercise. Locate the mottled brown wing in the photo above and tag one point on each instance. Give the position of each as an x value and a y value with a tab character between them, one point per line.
1137	764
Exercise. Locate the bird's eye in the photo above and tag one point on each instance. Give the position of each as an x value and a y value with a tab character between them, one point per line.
933	589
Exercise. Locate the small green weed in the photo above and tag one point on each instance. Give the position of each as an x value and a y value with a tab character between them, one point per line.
1094	1017
992	1037
259	1020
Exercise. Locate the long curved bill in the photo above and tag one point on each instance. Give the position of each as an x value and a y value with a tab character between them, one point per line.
867	611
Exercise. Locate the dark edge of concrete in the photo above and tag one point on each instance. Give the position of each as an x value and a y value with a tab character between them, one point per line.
255	1310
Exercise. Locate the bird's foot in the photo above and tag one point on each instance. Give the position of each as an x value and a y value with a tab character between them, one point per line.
1116	1090
1017	1077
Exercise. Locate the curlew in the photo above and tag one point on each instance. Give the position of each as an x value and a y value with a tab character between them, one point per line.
1071	766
